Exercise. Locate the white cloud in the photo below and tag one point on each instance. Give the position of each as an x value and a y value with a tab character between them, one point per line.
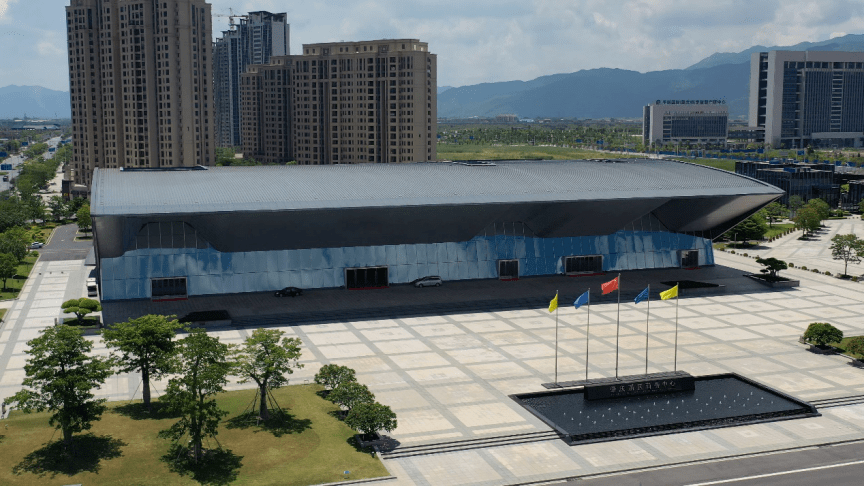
4	7
491	40
48	48
837	34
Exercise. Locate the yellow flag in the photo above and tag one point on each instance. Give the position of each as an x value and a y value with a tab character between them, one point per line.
673	292
553	304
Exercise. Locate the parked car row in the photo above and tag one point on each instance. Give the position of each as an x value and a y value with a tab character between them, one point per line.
428	281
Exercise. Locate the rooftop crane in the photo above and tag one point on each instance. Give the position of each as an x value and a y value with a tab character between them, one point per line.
231	17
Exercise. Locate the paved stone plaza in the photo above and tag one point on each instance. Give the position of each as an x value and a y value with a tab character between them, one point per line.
448	377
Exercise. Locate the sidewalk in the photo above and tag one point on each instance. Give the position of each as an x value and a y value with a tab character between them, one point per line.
405	300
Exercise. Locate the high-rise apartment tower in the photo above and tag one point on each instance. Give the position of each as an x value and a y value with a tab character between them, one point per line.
349	102
140	84
808	98
258	37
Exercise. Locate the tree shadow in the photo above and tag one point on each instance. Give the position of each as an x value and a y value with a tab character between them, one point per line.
279	424
338	414
137	411
84	455
217	467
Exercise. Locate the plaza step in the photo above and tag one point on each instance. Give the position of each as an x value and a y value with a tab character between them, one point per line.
462	445
838	402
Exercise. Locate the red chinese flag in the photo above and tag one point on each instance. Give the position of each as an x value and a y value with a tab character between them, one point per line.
609	286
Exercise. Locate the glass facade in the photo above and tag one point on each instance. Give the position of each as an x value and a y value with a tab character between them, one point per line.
208	271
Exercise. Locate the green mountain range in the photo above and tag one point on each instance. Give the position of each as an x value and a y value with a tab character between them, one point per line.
619	93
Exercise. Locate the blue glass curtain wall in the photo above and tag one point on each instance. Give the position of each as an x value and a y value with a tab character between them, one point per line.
211	272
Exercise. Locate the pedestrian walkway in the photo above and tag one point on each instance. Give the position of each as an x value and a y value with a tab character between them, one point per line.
449	375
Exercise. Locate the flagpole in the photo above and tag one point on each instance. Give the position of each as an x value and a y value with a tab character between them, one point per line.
677	293
618	327
647	316
556	338
588	334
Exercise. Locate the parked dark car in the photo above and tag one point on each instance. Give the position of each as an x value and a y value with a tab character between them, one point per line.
431	280
289	292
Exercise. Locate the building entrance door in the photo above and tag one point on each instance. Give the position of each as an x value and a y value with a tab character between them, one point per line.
690	259
367	278
574	265
508	269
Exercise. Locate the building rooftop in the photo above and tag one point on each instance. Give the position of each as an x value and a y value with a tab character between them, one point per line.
288	188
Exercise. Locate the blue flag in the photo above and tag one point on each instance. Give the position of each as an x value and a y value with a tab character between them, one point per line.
642	295
583	299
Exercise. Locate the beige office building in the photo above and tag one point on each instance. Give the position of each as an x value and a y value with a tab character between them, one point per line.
140	84
265	101
354	102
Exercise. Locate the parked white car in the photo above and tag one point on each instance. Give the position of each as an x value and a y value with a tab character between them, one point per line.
432	280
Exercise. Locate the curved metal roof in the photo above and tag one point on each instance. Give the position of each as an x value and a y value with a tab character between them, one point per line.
118	192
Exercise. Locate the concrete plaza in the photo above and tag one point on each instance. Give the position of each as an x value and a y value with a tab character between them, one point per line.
448	376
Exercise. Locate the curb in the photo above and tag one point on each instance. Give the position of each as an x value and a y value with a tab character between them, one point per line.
359	481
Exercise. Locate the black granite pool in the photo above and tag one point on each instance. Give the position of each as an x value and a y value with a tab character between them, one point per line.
717	401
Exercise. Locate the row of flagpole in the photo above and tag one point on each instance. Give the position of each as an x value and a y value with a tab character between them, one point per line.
606	288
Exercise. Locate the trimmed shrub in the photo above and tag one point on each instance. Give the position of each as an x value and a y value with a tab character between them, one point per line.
827	273
804	268
856	346
854	279
822	333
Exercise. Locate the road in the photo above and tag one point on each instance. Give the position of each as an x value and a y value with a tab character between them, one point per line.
63	246
841	464
16	161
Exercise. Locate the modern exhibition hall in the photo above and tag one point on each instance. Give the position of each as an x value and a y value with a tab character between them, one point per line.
175	233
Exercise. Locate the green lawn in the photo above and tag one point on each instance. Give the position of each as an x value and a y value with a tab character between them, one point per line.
16	283
2	313
309	447
515	152
778	229
842	347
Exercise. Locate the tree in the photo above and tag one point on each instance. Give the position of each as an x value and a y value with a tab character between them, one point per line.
369	418
77	203
775	212
332	375
807	219
60	377
848	248
8	267
14	241
821	333
58	207
752	228
145	345
266	359
856	345
12	213
351	394
84	221
202	369
861	206
772	265
796	202
81	307
822	208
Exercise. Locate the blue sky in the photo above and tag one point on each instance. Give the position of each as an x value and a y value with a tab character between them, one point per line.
483	41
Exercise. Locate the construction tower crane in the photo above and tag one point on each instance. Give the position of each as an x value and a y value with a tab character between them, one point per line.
231	17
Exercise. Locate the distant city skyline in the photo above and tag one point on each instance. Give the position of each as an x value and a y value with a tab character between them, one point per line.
486	41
